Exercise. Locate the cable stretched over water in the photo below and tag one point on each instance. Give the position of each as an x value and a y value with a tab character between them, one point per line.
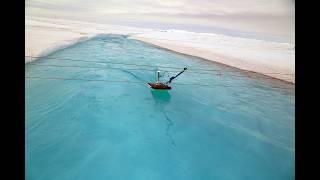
140	69
94	67
146	65
142	82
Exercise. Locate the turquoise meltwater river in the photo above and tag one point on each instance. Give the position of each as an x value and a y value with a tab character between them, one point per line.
90	115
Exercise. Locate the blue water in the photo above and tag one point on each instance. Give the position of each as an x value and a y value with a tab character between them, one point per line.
81	126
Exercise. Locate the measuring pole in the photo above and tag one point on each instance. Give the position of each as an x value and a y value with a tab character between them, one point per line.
173	77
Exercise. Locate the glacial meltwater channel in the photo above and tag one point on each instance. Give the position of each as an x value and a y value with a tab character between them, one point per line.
90	115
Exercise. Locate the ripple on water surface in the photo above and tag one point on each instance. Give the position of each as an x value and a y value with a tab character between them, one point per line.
79	125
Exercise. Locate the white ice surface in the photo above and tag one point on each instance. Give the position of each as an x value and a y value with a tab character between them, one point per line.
43	35
270	58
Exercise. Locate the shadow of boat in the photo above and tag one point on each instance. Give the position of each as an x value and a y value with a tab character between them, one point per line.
161	96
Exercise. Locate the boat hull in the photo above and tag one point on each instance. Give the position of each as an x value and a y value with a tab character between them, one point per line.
159	86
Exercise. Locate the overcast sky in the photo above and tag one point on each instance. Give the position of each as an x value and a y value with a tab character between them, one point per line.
269	17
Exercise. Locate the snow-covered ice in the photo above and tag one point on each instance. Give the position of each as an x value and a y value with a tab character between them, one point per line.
270	58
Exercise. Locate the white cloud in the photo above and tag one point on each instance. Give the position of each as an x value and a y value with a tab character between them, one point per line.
265	16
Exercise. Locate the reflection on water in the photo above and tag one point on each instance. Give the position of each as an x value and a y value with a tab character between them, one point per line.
161	96
162	99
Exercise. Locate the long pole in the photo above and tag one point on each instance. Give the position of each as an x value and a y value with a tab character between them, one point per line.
173	77
158	76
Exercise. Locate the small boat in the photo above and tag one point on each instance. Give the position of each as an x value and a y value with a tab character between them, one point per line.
159	86
163	86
